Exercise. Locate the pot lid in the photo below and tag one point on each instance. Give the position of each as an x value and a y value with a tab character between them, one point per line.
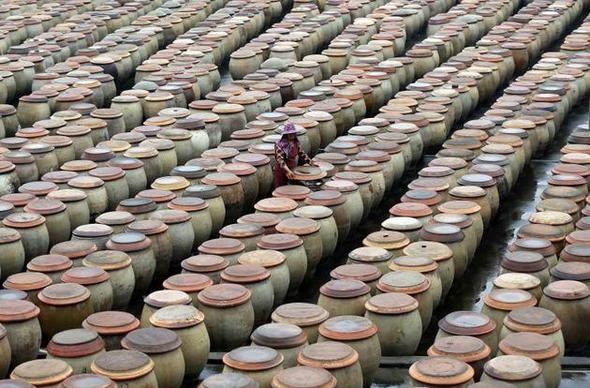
224	295
74	249
280	241
204	263
513	280
49	263
441	370
188	282
137	205
241	231
253	358
27	281
509	299
566	290
92	230
304	377
85	276
115	218
262	257
464	348
151	340
276	205
234	380
300	314
107	260
163	298
410	282
64	294
537	346
43	372
9	235
469	323
369	254
524	261
17	310
128	242
279	336
328	355
177	317
572	270
87	380
122	365
111	322
75	343
245	273
363	272
512	368
222	246
532	319
348	328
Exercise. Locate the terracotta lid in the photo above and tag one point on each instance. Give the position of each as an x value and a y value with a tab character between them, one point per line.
572	270
75	343
128	242
43	372
512	368
87	380
410	209
92	230
17	310
74	249
115	218
369	255
64	294
253	358
188	282
238	231
539	245
8	235
222	246
507	299
344	288
566	290
122	365
364	272
294	192
38	188
537	346
85	275
137	205
524	261
151	340
224	295
49	263
236	380
27	281
7	294
107	260
469	323
300	314
204	263
328	355
532	319
276	205
441	370
279	336
404	281
163	298
313	212
347	328
111	322
464	348
280	241
244	273
177	317
304	377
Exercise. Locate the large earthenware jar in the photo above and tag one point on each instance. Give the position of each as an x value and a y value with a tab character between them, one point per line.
471	324
77	347
291	246
470	350
97	281
344	297
276	263
521	371
112	326
143	261
118	265
63	306
19	319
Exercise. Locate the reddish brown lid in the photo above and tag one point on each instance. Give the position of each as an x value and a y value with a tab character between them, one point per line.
8	235
524	261
17	310
27	281
295	192
128	242
469	323
74	249
122	365
391	303
92	230
300	314
75	343
276	205
512	368
280	241
441	371
224	295
304	377
325	198
222	246
347	328
177	317
162	298
236	380
244	273
42	372
279	336
151	340
107	260
111	322
363	272
204	263
464	348
49	263
87	380
115	218
328	355
238	231
344	288
534	345
253	358
509	299
64	294
85	275
188	282
532	319
38	188
369	254
567	290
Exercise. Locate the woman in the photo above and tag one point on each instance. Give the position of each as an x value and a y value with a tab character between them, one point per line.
288	154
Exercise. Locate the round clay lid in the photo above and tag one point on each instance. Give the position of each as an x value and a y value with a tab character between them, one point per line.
534	345
512	368
344	288
43	372
276	205
204	263
74	249
567	290
115	218
294	192
9	235
244	273
280	241
222	246
279	336
27	281
409	282
64	294
86	380
509	299
465	348
92	230
241	231
75	343
253	358
151	340
17	310
325	198
304	377
524	261
85	275
263	258
328	355
369	254
514	280
224	380
391	303
107	260
111	322
49	263
122	365
224	295
177	317
572	270
162	298
363	272
532	319
300	314
7	294
347	328
441	370
469	323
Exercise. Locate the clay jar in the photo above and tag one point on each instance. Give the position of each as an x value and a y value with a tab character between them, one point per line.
518	370
180	230
209	265
188	323
96	193
97	281
469	323
257	280
276	263
359	333
63	306
568	299
118	265
77	347
158	233
139	249
454	238
285	338
200	214
411	283
229	315
115	184
337	202
375	256
162	298
228	248
76	203
328	228
305	315
391	312
423	265
112	326
353	196
339	359
212	195
470	350
13	252
56	218
6	352
231	192
19	319
309	231
366	273
42	373
344	297
292	247
441	371
163	348
30	282
51	265
520	281
126	367
537	347
248	180
33	232
498	303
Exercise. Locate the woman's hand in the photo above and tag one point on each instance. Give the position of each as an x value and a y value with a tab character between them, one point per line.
290	174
